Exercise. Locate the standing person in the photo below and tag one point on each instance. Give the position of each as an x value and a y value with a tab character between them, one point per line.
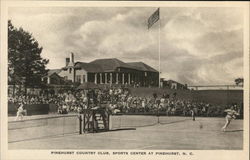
193	114
231	114
20	112
162	102
64	108
192	110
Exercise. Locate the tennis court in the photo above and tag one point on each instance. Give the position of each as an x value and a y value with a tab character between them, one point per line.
128	132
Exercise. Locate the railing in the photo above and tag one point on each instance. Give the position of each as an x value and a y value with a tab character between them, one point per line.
216	87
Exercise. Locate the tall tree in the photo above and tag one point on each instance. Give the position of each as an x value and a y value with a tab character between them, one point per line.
25	64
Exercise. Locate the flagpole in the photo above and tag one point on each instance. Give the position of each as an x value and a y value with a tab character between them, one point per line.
159	48
159	54
153	19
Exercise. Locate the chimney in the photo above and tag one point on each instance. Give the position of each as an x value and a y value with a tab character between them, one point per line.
67	61
71	59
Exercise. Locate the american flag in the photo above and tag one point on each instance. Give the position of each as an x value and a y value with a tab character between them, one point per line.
154	18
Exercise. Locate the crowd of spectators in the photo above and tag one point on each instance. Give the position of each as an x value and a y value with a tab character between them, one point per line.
29	99
119	100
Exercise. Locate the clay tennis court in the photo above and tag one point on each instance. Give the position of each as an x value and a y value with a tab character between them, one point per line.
136	132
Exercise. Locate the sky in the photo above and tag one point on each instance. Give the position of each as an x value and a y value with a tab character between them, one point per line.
198	46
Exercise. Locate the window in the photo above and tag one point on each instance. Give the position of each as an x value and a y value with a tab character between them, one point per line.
84	78
78	78
65	77
174	86
70	70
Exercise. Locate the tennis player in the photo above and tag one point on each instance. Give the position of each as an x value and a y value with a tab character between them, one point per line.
231	114
20	112
192	111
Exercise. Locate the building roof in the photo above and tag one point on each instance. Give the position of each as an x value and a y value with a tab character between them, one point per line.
89	67
52	71
142	66
66	67
110	64
106	65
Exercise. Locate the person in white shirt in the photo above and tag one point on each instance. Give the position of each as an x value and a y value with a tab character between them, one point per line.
20	112
231	114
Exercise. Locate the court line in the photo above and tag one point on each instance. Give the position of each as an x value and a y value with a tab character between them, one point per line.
112	138
185	130
45	137
221	147
102	136
146	147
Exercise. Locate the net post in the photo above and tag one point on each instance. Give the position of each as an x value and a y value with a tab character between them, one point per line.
84	122
93	122
63	124
108	124
88	118
158	119
80	124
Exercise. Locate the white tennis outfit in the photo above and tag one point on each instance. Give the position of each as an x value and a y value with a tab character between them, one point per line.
19	113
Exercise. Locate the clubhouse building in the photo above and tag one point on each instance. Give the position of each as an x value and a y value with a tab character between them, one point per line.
105	71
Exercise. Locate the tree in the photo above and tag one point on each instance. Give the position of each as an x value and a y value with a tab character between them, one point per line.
25	64
239	81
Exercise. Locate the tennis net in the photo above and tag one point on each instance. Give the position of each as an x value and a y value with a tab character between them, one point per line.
42	127
136	121
45	127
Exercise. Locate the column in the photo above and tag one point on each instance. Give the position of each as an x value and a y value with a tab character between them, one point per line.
132	79
128	78
111	78
106	78
81	79
100	78
48	80
117	78
95	78
123	78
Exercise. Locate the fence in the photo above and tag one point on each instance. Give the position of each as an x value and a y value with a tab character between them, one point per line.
42	127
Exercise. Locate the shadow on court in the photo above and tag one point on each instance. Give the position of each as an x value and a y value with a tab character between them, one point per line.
121	129
240	130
